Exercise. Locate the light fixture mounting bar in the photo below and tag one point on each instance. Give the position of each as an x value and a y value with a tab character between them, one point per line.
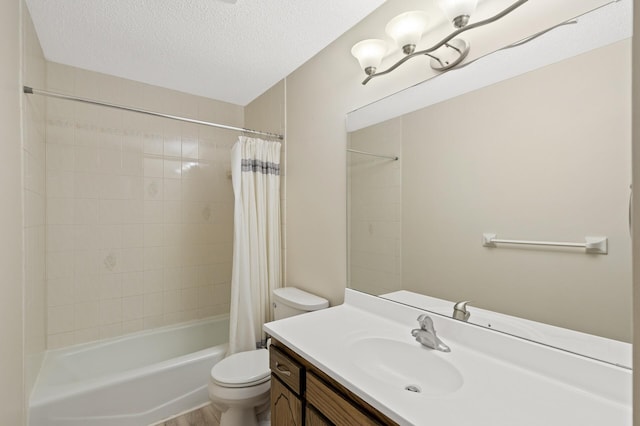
447	39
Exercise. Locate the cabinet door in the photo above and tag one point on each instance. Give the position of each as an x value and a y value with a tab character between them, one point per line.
286	407
313	418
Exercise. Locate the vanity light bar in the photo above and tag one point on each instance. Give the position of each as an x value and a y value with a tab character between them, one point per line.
596	245
456	53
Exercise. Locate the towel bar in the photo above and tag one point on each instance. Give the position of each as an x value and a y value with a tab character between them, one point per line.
597	245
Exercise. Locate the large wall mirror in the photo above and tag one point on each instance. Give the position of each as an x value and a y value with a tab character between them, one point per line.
545	155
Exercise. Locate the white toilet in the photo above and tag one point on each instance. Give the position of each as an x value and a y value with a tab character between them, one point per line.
239	384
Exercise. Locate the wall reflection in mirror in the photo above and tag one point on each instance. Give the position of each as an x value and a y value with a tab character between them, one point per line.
542	156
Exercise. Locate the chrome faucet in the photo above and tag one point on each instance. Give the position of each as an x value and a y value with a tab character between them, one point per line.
460	311
426	334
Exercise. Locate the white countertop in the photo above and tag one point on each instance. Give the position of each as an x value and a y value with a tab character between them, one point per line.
597	347
505	380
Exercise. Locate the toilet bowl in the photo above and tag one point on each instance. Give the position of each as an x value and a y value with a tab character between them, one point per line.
239	387
239	384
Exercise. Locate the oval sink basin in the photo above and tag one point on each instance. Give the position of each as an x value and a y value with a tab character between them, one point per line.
406	367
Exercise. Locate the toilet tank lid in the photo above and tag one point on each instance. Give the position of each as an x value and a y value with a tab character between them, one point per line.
299	299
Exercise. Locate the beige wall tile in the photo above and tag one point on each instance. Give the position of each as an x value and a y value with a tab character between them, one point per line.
60	319
56	341
87	315
110	311
86	335
132	326
60	292
153	304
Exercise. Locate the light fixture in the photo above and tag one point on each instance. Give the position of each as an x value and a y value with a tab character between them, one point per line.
408	28
458	11
369	53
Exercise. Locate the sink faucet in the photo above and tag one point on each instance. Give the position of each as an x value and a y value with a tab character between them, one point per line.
426	334
460	311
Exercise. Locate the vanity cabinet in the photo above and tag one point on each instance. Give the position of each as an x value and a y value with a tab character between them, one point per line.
287	377
301	394
286	406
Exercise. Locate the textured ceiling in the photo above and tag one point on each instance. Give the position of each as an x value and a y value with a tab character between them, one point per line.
222	49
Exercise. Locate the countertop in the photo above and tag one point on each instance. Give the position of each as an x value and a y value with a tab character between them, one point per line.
504	380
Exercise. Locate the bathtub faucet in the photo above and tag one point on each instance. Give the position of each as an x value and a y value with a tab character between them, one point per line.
426	334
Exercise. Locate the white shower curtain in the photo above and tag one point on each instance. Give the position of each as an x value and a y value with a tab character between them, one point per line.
255	169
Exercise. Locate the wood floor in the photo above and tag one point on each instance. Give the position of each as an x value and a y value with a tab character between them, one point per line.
205	416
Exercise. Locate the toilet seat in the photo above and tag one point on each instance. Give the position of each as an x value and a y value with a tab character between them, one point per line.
242	369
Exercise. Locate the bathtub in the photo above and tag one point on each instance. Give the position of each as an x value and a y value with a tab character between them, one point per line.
134	380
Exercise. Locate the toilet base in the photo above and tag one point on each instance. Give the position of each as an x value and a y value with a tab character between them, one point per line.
238	417
240	406
242	416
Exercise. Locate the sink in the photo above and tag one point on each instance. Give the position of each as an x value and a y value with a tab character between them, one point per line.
405	366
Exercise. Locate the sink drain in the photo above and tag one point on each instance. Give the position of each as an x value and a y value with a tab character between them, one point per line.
413	388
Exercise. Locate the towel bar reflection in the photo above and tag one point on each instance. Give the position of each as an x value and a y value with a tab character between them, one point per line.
390	157
596	245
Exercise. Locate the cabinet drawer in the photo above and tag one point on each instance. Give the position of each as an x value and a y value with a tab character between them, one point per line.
333	406
286	369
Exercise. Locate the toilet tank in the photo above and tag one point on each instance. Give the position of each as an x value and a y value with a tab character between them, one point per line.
290	301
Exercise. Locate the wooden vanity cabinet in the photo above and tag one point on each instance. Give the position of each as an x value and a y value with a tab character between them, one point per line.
287	376
286	406
301	394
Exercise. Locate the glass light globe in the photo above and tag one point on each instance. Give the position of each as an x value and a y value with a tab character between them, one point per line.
458	11
369	54
407	29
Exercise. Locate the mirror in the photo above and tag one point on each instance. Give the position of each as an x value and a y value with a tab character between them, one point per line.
543	156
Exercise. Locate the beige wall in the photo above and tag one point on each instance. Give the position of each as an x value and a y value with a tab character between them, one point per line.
139	208
543	156
319	95
266	112
34	121
11	245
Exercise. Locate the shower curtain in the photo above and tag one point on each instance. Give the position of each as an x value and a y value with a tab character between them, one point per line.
255	170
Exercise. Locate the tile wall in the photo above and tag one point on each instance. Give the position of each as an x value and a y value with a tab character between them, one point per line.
374	209
139	209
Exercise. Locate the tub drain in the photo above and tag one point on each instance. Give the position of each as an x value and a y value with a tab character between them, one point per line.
413	388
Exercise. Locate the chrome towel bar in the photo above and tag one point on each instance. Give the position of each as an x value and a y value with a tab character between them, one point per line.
597	245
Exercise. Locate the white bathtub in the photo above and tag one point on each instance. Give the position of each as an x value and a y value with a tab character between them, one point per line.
134	380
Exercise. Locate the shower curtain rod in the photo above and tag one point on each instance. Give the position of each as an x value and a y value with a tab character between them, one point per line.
32	91
390	157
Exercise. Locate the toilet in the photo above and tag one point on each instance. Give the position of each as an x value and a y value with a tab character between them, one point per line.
239	384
